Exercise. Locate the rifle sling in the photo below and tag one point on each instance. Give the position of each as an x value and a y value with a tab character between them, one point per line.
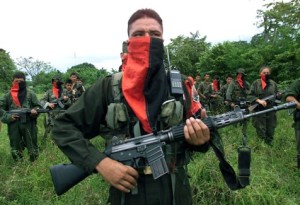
229	175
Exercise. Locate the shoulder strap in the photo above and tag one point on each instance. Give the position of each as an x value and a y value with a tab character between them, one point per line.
233	181
187	100
116	86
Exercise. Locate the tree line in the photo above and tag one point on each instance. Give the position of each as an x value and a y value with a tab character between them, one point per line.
277	46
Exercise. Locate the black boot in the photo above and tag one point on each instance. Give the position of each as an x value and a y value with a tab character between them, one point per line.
298	161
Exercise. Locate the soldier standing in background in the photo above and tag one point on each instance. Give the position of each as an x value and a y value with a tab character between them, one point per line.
293	94
264	124
55	99
77	86
203	89
68	91
215	98
197	82
224	90
238	90
21	134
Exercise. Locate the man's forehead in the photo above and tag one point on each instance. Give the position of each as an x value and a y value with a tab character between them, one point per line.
146	22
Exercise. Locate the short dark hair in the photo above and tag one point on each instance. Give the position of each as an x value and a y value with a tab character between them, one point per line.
142	13
74	74
229	76
68	81
19	74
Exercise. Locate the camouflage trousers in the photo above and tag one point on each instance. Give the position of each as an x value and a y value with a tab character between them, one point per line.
265	125
21	136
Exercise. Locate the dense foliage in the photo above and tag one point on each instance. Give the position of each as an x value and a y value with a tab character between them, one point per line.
7	67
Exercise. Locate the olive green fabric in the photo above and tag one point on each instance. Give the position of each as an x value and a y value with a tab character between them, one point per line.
203	89
21	135
235	93
87	118
49	97
264	124
294	90
215	103
81	122
156	192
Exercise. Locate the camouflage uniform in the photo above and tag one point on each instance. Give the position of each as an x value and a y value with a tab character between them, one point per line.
49	118
294	90
236	95
20	134
203	89
77	91
215	103
223	94
264	124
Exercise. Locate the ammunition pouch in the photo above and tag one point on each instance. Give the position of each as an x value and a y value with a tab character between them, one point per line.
172	113
117	122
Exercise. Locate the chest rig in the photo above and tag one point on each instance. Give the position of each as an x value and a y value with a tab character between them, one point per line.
121	123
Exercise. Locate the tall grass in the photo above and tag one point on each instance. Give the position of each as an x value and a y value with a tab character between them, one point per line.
274	177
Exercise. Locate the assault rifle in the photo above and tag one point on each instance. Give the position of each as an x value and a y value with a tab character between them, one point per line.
268	98
23	113
147	150
59	102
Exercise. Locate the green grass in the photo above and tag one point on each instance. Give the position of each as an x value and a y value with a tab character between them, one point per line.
274	177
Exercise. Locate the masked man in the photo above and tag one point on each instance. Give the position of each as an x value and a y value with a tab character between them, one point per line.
22	133
140	102
55	99
215	98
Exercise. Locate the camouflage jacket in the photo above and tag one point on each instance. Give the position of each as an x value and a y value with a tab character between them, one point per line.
50	97
6	104
235	93
256	91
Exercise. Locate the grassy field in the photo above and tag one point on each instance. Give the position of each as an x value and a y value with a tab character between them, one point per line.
274	177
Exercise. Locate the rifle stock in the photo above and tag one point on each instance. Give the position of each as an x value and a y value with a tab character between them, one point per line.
61	172
65	176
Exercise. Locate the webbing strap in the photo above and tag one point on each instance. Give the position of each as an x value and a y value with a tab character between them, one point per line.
111	118
244	158
173	180
229	175
116	78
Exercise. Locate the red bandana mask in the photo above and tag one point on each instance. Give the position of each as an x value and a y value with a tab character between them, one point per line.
144	81
263	81
55	90
240	80
216	85
14	94
194	97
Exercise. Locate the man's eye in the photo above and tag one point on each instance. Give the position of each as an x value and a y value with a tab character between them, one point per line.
138	34
155	34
